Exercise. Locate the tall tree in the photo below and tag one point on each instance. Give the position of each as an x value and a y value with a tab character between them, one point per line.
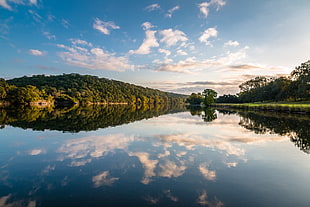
209	96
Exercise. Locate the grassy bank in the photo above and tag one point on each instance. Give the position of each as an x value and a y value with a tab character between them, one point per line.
289	107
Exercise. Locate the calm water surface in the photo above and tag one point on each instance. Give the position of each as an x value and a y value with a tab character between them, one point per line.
125	156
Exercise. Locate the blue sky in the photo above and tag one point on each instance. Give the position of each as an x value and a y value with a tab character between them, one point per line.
181	46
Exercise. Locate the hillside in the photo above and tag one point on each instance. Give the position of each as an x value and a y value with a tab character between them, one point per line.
83	89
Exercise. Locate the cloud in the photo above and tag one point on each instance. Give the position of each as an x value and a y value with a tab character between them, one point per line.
104	27
36	152
36	17
208	174
182	66
49	36
231	43
103	178
36	52
85	148
147	25
5	4
208	33
148	164
152	7
231	58
166	52
80	42
191	140
181	52
172	37
204	201
170	11
204	7
170	169
34	2
92	58
149	42
203	198
65	23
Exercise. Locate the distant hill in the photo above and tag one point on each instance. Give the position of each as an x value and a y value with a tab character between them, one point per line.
85	89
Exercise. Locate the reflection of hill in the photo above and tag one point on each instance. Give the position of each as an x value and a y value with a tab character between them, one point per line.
296	126
81	118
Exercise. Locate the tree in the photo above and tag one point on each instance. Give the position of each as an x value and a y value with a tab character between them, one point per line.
209	96
195	99
4	87
301	75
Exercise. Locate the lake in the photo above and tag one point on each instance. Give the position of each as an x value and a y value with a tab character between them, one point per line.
153	156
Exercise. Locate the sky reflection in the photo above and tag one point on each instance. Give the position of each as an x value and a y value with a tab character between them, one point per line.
176	159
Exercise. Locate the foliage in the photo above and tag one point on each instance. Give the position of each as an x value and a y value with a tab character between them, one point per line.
294	87
195	99
84	89
227	99
209	96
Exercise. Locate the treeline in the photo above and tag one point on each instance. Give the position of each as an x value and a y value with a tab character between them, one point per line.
82	89
295	87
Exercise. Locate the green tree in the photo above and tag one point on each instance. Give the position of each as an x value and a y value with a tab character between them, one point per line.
194	99
209	96
301	76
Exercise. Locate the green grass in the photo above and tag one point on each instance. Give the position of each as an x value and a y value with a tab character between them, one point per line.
291	107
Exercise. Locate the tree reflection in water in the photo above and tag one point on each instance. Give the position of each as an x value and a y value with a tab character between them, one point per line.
86	118
295	126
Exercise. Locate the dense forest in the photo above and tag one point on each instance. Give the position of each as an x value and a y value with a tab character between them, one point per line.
295	87
82	89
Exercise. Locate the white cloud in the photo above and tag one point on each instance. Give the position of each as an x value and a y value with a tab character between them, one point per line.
36	151
152	7
208	33
172	37
204	7
181	52
93	58
203	198
232	43
80	42
208	174
33	2
170	11
166	52
5	4
103	178
149	42
148	164
49	36
35	52
82	150
233	57
170	169
104	27
36	17
147	25
65	23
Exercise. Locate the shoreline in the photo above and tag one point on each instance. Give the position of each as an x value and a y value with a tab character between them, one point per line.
286	108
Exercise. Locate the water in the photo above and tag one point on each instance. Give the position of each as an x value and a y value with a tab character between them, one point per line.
162	156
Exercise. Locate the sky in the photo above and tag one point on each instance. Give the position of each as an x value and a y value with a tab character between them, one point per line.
182	46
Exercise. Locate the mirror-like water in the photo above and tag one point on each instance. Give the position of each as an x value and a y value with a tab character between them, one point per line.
162	156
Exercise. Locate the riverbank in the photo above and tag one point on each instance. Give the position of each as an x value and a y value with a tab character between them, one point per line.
288	107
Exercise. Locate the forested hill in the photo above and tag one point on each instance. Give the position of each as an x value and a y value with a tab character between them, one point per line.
76	88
